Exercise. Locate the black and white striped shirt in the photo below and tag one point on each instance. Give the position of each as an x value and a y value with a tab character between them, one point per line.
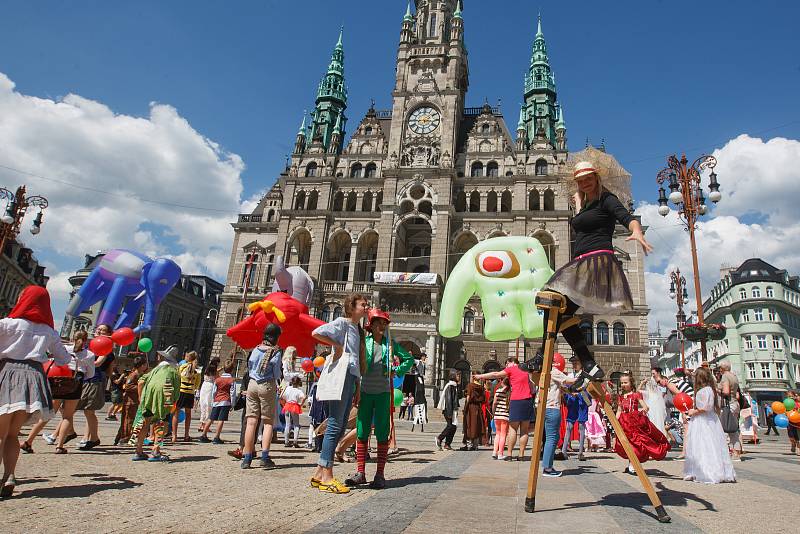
683	385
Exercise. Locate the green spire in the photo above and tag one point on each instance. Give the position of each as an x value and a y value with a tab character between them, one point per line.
541	113
457	13
337	128
539	26
560	125
331	98
302	130
337	57
408	17
521	123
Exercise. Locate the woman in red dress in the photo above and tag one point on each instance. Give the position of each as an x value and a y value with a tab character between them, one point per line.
647	440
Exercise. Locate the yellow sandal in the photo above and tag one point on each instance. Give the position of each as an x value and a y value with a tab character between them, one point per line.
315	482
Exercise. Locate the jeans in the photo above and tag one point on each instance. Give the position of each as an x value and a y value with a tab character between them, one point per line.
552	422
568	435
449	431
337	421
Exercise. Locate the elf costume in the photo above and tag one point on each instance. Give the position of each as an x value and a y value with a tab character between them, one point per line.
374	407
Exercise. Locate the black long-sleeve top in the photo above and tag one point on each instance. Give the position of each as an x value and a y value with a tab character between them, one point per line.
594	224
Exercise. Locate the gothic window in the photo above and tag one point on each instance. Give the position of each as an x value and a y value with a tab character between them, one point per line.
338	201
311	169
505	201
533	200
300	200
337	312
602	333
461	201
270	215
586	328
433	25
372	170
249	270
356	171
476	169
269	270
491	202
368	130
475	201
485	129
492	169
549	200
541	167
352	198
313	198
468	323
378	201
366	204
619	334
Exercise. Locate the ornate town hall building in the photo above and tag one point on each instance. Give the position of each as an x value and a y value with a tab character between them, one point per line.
411	189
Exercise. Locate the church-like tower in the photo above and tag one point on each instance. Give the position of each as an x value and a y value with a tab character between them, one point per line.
328	119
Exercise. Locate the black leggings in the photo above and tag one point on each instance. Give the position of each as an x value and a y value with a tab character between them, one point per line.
573	335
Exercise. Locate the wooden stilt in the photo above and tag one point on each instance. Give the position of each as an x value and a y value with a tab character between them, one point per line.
596	391
555	304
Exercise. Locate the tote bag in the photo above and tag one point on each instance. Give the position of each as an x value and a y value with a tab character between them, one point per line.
331	380
729	422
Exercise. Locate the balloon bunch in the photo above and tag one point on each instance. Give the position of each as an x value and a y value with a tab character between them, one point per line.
103	345
308	365
786	413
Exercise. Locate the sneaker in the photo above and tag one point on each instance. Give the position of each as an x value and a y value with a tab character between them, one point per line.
245	464
551	473
355	480
266	463
89	445
236	453
439	443
378	483
139	457
334	486
158	458
217	441
50	439
502	458
630	470
204	439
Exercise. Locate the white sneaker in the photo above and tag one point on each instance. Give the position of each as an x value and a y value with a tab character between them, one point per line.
501	457
49	438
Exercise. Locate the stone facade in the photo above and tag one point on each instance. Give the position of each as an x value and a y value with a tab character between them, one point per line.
412	190
759	305
18	269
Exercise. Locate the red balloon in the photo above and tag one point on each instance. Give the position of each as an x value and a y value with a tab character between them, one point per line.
58	370
682	402
123	336
319	361
559	362
307	365
101	345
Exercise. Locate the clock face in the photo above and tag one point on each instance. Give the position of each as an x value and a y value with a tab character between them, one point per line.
424	120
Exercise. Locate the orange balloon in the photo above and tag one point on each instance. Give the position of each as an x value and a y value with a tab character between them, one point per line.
778	407
319	361
794	417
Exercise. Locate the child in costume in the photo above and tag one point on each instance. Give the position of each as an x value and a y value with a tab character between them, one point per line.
595	428
160	389
295	399
648	441
376	395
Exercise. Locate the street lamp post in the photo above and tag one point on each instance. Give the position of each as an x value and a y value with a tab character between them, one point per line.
678	292
18	205
686	194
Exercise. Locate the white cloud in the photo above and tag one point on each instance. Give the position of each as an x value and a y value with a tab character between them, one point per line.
139	159
758	182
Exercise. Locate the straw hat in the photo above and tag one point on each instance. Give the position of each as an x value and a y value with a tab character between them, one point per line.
611	175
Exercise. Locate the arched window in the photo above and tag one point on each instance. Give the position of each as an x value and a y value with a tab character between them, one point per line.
541	167
461	201
352	198
368	130
602	333
311	169
249	270
491	202
475	201
588	336
356	170
492	169
327	314
756	292
432	32
378	201
505	201
313	198
366	204
337	312
476	169
338	201
533	200
300	200
485	128
372	170
270	215
549	200
468	322
619	333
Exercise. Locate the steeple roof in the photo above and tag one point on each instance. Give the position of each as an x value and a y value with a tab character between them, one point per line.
408	16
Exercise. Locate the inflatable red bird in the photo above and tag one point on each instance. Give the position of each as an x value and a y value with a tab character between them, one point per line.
288	313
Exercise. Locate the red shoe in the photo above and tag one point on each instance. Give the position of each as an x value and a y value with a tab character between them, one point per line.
236	453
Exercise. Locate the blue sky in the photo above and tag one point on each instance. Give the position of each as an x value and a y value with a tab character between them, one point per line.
651	78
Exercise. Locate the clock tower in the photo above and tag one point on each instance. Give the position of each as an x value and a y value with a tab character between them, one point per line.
432	79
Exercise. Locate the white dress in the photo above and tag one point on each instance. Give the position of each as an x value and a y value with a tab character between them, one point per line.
657	412
206	397
707	457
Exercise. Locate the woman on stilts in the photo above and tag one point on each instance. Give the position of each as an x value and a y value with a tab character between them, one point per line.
376	395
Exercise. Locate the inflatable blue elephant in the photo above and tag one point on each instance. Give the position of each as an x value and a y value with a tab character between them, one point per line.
127	274
506	273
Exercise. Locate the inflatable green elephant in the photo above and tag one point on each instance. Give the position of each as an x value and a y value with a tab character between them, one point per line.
506	273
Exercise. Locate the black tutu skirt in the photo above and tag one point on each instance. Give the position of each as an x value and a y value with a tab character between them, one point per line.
595	282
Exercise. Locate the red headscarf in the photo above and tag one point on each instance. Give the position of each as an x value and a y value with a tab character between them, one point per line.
33	304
